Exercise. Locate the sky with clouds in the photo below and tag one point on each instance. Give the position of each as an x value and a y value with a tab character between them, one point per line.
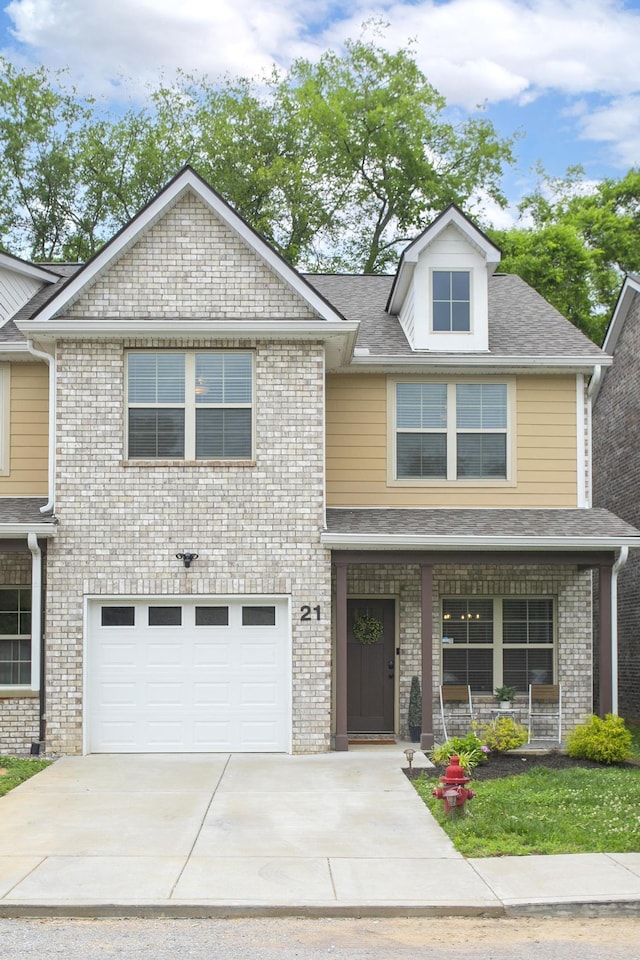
564	72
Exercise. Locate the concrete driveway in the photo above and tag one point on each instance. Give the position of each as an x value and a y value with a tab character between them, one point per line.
341	834
339	829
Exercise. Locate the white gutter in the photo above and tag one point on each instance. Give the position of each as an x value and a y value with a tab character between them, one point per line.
592	393
382	542
51	361
14	531
90	328
36	608
422	357
594	383
616	568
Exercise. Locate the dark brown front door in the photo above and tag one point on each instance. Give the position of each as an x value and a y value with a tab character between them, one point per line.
370	667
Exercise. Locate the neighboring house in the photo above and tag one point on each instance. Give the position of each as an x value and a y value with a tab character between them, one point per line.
219	477
616	483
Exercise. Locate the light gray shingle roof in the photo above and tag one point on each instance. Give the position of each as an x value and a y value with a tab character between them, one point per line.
521	322
24	510
489	522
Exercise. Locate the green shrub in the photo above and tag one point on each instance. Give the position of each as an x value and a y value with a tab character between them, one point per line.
469	747
503	733
605	741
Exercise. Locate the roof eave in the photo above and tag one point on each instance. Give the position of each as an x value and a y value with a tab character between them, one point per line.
630	288
26	268
370	541
15	531
486	361
176	328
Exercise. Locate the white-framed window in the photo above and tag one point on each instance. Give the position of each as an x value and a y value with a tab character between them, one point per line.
451	301
15	636
488	642
190	405
452	431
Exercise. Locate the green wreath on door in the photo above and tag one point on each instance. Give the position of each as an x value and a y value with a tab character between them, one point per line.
368	630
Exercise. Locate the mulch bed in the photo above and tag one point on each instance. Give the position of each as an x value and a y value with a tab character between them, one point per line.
511	764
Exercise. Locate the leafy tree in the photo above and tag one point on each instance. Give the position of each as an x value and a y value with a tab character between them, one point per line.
335	162
387	157
580	242
39	128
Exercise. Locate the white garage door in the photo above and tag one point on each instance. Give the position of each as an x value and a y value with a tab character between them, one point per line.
186	675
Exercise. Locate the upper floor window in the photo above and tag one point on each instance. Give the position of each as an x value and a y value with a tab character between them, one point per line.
452	431
451	301
191	405
15	636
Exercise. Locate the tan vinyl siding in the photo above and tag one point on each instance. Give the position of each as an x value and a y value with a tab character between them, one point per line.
29	431
546	449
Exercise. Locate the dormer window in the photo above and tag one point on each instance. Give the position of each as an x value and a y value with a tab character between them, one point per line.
451	301
440	294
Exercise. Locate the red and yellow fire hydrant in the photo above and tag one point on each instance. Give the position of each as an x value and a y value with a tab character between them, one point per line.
454	791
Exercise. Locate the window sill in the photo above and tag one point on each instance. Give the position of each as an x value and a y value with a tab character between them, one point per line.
188	463
428	482
15	693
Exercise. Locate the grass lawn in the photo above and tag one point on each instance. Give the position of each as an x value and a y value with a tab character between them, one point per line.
545	811
15	770
635	733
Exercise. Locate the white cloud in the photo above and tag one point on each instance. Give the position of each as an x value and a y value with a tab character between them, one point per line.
471	50
100	42
618	124
498	51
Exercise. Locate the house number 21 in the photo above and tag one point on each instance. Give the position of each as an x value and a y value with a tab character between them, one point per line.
306	612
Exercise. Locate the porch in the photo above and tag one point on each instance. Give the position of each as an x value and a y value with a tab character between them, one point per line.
493	574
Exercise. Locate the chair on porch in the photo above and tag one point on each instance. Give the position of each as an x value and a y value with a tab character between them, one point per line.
545	710
456	699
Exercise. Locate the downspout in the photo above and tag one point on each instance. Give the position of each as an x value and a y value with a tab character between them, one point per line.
37	634
51	361
594	386
617	566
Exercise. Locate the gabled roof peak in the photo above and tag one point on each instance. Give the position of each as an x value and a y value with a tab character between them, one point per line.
451	216
186	180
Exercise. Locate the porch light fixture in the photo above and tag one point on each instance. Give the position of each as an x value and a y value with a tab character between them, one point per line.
186	556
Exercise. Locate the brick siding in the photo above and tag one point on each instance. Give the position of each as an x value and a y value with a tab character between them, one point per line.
256	528
616	468
190	264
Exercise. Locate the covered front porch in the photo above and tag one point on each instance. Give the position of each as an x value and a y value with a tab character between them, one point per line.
24	534
527	601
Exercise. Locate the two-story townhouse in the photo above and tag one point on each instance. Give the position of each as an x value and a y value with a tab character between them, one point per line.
244	467
616	427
